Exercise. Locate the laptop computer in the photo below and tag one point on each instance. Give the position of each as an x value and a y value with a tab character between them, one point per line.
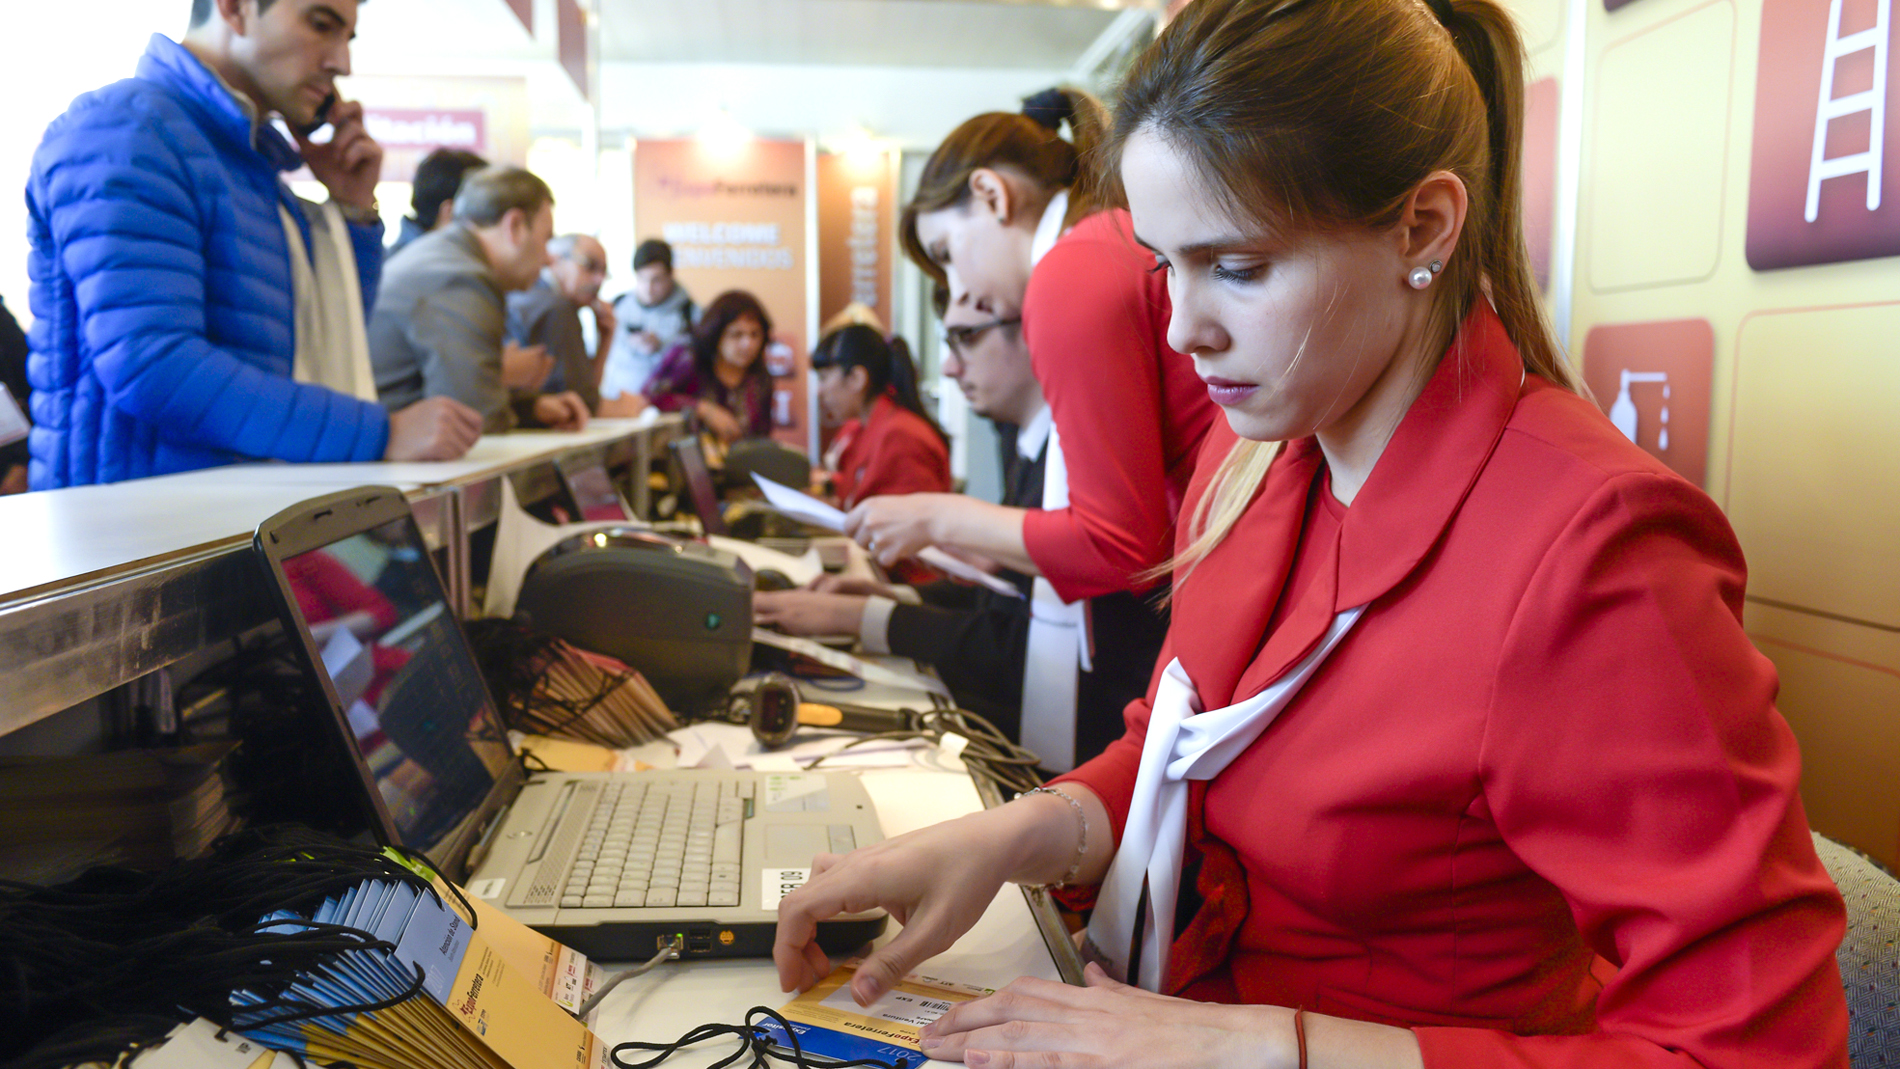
699	485
612	864
585	472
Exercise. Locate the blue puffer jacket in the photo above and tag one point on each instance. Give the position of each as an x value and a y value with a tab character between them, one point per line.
161	288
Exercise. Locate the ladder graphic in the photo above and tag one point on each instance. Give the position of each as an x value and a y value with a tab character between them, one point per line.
1873	100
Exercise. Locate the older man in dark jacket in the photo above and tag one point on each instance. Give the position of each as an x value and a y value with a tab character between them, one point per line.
442	313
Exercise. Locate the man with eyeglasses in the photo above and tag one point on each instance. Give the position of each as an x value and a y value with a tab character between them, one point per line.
548	315
978	640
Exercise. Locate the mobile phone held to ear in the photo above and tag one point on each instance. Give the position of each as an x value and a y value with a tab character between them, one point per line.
322	116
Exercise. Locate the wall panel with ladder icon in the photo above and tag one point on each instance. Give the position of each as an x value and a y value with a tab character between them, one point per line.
1819	189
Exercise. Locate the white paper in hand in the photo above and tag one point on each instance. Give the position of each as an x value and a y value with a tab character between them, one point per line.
807	509
13	424
800	506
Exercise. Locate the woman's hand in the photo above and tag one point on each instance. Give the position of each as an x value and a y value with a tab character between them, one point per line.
936	882
722	423
804	612
1053	1026
898	525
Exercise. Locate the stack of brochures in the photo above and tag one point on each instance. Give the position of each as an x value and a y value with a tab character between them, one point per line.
142	808
479	1005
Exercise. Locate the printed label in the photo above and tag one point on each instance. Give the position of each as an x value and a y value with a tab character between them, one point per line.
796	792
489	889
775	884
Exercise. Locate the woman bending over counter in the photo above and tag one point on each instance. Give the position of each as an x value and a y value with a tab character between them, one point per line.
1460	756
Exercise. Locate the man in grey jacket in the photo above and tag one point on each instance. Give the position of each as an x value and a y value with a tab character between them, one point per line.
441	312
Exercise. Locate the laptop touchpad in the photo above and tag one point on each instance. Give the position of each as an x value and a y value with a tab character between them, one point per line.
794	845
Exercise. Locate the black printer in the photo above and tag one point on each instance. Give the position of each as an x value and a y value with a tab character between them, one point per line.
678	611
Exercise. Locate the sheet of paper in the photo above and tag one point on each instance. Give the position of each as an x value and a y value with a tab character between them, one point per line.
709	744
800	570
197	1046
844	662
805	508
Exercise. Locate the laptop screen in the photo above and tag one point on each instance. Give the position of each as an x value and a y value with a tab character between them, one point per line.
543	493
699	484
593	490
418	710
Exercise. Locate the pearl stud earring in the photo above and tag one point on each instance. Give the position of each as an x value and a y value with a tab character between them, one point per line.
1420	277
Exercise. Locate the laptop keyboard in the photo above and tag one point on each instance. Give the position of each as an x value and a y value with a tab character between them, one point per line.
661	845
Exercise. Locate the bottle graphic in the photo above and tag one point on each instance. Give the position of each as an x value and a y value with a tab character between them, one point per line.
1623	409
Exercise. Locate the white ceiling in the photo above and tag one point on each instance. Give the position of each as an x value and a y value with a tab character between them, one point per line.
1033	34
877	33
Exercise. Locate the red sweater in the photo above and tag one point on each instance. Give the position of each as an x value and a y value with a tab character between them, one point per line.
892	451
1131	411
1547	741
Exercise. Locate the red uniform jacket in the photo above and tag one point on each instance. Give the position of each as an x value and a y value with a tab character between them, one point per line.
893	451
1547	740
1131	411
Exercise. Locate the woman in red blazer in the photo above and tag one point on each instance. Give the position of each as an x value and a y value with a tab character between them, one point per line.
886	443
1009	218
1460	756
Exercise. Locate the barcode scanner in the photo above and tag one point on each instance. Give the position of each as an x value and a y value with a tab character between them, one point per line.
776	713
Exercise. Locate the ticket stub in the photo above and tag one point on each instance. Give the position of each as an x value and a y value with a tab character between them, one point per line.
893	1021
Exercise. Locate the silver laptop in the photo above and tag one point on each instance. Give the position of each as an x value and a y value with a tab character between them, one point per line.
612	864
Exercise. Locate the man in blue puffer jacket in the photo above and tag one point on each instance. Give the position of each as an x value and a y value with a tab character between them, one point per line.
167	319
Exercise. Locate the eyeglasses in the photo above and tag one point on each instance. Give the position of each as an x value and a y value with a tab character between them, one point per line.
961	338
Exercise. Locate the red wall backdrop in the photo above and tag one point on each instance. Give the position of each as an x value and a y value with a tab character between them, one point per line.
735	216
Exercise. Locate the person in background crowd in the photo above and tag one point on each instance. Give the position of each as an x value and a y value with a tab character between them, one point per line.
438	177
1460	757
718	371
886	442
548	314
649	319
188	310
978	639
1006	216
524	368
442	313
14	456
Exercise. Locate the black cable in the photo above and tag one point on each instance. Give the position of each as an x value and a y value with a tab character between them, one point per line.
755	1041
987	752
514	659
115	958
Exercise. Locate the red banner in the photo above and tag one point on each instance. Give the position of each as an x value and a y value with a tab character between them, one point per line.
735	216
857	226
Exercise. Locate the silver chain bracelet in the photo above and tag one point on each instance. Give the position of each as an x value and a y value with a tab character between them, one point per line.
1082	840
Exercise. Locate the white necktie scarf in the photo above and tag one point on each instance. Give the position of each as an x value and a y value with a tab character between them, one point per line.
1182	744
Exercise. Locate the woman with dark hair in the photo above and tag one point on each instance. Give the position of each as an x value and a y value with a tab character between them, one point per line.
718	372
1460	756
886	442
1009	217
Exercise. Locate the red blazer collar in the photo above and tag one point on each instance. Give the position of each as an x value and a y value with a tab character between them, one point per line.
1408	501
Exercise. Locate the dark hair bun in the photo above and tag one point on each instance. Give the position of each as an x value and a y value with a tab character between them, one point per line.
1049	108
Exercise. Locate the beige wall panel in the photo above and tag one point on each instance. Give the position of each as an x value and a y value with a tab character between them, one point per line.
1540	21
1659	132
1814	492
1840	690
